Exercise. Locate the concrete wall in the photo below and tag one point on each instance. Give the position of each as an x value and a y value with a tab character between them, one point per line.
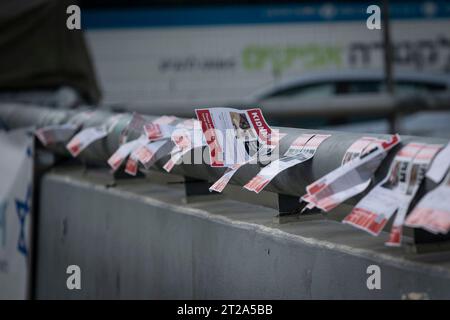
140	240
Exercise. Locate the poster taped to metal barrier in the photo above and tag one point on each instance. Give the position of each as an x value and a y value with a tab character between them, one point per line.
419	166
301	150
359	147
165	120
53	134
87	136
84	138
233	135
374	210
187	134
124	151
144	153
326	201
432	213
222	182
186	137
132	166
175	156
135	125
160	128
360	162
365	154
142	150
16	188
440	165
394	193
155	131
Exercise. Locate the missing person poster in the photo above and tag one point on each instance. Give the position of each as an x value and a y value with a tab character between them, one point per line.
233	135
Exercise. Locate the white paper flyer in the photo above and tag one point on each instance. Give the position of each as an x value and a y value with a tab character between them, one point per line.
440	165
53	134
232	134
360	162
394	193
432	213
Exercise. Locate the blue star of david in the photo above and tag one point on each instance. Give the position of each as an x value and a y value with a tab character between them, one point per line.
3	207
23	208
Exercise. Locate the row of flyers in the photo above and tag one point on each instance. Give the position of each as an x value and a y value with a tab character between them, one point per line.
238	137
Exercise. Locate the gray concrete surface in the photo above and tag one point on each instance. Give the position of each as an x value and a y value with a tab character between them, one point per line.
141	240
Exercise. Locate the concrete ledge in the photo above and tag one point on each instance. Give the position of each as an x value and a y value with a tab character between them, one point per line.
141	240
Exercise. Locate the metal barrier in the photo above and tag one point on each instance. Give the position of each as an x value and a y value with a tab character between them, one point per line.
289	184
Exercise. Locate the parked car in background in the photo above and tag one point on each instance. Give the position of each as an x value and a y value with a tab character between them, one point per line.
342	97
333	85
